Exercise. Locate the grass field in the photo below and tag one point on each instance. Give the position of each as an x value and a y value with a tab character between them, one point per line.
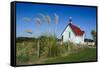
51	52
87	54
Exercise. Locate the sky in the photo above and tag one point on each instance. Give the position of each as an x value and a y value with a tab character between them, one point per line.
27	13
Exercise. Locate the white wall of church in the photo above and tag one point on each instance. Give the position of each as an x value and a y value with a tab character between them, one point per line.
72	38
66	35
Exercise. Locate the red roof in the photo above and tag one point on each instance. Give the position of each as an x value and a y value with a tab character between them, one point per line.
76	30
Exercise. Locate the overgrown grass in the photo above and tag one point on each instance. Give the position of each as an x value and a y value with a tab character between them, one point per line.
49	47
25	52
50	51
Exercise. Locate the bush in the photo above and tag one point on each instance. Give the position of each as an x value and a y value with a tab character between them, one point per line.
25	53
49	48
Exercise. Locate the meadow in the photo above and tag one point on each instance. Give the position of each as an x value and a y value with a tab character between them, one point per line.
45	50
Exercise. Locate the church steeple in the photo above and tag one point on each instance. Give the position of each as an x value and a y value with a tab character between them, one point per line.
70	19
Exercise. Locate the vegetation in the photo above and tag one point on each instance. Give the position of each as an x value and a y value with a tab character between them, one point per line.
86	54
50	51
93	32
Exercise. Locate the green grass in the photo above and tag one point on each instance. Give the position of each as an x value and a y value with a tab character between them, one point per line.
87	54
51	52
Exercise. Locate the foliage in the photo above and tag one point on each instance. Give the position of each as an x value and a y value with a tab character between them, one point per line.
22	39
26	51
93	32
49	47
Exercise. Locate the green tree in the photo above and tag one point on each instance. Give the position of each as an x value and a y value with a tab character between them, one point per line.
93	33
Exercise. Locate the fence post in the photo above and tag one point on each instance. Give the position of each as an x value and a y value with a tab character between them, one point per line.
38	49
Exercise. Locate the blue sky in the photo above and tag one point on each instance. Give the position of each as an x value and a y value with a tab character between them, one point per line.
84	17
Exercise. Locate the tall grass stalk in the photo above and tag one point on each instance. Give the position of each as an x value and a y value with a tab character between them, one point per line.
43	17
38	21
26	19
48	21
38	42
56	22
29	31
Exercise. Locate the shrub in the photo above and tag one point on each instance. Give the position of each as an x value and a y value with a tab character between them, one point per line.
25	53
49	47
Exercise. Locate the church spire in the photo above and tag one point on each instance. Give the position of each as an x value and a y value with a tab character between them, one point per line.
70	19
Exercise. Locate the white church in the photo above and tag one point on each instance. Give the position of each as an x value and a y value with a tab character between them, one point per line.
73	34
